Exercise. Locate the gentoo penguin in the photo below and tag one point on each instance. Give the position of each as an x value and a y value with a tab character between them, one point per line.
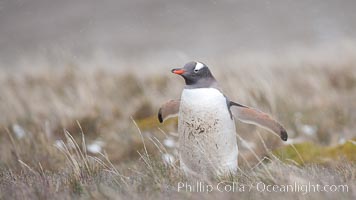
206	126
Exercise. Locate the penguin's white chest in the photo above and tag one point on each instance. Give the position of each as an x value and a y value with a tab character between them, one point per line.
207	135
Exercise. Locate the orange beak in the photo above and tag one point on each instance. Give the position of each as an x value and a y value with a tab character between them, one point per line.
178	71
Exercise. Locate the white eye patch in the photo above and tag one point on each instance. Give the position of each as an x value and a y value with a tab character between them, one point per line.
198	66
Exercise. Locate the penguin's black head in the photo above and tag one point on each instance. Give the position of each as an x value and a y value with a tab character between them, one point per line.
196	74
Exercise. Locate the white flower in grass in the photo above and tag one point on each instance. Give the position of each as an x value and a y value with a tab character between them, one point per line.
19	131
95	147
309	129
169	142
59	144
168	158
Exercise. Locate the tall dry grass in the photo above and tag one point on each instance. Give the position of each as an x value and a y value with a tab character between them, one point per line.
75	132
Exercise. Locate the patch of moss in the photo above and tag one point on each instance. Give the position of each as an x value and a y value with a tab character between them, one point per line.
348	150
152	122
305	153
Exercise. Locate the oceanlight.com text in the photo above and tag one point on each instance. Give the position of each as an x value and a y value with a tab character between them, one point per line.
260	187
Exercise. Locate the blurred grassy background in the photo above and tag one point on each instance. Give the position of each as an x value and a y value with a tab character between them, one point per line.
315	102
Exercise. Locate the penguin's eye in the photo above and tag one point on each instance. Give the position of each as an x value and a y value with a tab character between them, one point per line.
198	66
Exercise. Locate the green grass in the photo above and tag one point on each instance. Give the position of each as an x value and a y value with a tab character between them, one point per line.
308	153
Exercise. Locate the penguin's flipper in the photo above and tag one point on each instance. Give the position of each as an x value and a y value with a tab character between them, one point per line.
253	116
168	110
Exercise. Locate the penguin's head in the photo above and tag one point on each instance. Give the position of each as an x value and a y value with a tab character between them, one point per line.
195	74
